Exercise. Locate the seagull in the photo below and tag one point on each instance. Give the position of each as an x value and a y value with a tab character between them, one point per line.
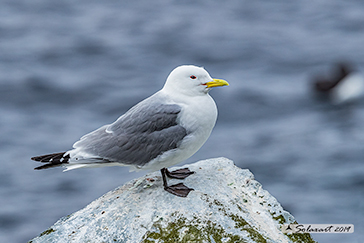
343	86
158	132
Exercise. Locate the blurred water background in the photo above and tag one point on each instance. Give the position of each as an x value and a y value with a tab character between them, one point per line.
69	67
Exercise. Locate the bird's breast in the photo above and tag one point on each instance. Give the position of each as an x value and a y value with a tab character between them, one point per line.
199	115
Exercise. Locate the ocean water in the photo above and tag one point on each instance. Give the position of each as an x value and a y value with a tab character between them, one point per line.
67	68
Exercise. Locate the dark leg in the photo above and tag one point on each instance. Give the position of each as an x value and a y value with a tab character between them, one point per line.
178	189
179	174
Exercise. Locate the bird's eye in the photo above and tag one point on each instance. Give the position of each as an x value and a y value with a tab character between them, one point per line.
192	77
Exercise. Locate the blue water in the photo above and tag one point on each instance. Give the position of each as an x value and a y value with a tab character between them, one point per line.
68	67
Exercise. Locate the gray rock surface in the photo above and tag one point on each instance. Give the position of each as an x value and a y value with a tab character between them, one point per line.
227	205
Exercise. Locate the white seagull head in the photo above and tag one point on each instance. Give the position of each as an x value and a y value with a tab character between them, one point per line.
191	80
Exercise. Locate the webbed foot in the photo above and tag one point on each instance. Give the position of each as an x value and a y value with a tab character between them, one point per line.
179	174
178	190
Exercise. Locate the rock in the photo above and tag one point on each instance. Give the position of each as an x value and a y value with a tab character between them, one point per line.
227	205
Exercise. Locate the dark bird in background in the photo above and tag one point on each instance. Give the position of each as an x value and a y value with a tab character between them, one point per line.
343	85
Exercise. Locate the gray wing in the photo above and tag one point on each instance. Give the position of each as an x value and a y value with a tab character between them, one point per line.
140	135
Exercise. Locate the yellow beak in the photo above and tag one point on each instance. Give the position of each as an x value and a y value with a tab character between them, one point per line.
216	83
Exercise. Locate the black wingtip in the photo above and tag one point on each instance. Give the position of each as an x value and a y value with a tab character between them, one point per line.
47	166
52	160
56	157
35	158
